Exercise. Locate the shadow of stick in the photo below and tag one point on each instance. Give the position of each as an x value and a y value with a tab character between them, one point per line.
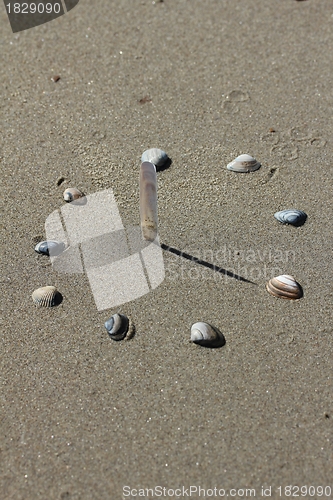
205	264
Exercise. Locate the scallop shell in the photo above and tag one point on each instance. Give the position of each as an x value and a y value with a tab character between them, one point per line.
148	201
119	327
47	296
51	248
292	216
244	163
72	194
206	335
156	156
284	286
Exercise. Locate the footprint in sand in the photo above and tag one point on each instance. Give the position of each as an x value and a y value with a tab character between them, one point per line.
285	151
232	100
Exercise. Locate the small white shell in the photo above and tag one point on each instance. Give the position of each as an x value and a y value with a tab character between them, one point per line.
206	335
292	216
285	287
119	327
47	296
72	194
156	156
244	163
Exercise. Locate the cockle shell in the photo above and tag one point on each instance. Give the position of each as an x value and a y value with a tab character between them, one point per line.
284	286
156	156
119	327
206	335
292	216
47	296
72	194
148	201
244	163
51	248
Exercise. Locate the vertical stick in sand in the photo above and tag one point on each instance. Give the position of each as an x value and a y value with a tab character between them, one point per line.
148	200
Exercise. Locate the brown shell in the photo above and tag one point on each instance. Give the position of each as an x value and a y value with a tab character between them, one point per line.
72	194
285	287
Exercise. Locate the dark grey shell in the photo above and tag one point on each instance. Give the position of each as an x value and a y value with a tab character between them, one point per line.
51	248
292	216
119	327
206	335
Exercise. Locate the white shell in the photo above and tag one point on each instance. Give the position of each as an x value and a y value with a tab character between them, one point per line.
148	201
47	296
206	335
244	163
156	156
72	194
285	287
292	216
119	327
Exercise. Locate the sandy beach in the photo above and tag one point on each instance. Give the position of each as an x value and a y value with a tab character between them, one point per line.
84	417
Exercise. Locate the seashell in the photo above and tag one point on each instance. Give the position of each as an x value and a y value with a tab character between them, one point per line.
284	286
119	327
72	194
51	248
148	201
292	216
244	163
206	335
156	156
47	296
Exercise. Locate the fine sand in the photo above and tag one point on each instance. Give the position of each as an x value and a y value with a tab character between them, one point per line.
83	416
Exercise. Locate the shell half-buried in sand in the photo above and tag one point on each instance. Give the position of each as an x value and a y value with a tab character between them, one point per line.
119	326
285	287
292	216
47	296
244	163
148	201
206	335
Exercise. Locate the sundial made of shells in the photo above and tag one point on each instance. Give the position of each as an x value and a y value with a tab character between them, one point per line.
119	326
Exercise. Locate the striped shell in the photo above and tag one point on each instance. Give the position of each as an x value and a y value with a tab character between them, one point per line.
156	156
72	194
51	248
244	163
206	335
285	287
47	296
119	327
292	216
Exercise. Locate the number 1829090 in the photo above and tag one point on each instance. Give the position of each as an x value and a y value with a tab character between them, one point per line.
304	491
33	8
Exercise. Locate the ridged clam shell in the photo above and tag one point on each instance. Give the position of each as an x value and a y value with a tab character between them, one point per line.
156	156
119	327
47	296
72	194
284	286
148	201
292	216
206	335
51	248
244	163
